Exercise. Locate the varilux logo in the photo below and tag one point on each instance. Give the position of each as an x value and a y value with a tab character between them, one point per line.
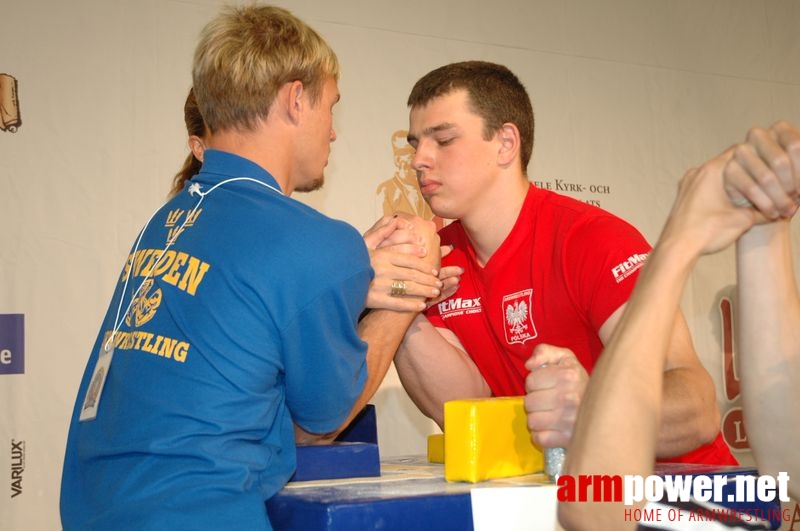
17	466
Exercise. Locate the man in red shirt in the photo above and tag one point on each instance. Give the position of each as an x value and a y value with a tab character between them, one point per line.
545	277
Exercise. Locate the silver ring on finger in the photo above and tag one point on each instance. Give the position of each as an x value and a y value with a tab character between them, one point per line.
741	202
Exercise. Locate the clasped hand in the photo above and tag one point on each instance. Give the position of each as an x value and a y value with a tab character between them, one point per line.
405	249
554	388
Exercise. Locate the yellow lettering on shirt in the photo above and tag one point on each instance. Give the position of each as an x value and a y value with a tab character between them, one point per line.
179	269
158	345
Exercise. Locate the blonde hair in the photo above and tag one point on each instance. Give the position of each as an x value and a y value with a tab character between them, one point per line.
246	54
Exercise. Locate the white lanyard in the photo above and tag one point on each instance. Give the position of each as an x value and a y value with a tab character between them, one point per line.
194	188
97	383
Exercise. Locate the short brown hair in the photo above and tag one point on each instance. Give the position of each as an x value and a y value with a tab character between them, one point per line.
494	92
246	54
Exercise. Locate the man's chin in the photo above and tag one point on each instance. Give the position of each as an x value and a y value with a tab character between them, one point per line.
314	185
438	209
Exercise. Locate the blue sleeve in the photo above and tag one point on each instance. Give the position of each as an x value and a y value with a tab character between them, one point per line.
325	359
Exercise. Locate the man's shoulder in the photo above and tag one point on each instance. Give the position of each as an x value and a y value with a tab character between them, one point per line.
318	226
334	237
566	206
577	215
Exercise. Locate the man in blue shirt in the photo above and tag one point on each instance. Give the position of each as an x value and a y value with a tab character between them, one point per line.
233	330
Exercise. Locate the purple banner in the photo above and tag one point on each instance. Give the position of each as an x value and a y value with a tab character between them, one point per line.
12	343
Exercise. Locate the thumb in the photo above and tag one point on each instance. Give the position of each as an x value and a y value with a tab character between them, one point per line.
545	354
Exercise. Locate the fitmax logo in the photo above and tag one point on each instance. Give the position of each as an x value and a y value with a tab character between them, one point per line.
460	305
628	267
17	466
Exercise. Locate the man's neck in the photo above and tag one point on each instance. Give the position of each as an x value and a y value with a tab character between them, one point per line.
488	226
260	147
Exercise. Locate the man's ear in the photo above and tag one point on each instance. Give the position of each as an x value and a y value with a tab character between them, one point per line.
508	135
292	96
197	146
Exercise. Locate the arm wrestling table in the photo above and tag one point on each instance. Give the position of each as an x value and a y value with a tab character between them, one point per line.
412	494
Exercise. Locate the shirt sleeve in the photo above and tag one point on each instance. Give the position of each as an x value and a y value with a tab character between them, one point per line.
601	261
324	357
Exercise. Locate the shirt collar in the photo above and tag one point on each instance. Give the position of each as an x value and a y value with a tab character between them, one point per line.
221	165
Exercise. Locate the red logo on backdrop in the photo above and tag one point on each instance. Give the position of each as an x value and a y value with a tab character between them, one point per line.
517	317
733	429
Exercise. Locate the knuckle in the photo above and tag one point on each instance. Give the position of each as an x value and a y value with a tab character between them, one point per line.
793	149
571	400
781	125
570	376
781	162
732	168
751	188
764	177
740	151
754	133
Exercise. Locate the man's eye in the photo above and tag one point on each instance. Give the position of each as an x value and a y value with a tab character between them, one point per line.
444	141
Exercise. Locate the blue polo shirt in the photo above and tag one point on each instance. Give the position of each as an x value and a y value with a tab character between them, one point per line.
242	326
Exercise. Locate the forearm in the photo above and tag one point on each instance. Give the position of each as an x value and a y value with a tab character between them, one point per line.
768	346
619	419
383	331
690	416
434	371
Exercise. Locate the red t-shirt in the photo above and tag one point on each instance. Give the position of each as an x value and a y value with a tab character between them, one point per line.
563	270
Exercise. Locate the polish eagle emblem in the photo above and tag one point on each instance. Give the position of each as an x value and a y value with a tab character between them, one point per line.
518	318
516	315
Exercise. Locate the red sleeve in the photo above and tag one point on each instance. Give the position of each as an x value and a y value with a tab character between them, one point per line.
602	259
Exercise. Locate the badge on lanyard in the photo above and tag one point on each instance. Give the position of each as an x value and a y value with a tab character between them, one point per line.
92	399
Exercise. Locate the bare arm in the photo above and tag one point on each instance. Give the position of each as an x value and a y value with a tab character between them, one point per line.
618	424
763	172
768	309
768	333
617	431
689	416
434	368
556	386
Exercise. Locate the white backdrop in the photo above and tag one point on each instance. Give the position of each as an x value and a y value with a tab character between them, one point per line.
627	95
